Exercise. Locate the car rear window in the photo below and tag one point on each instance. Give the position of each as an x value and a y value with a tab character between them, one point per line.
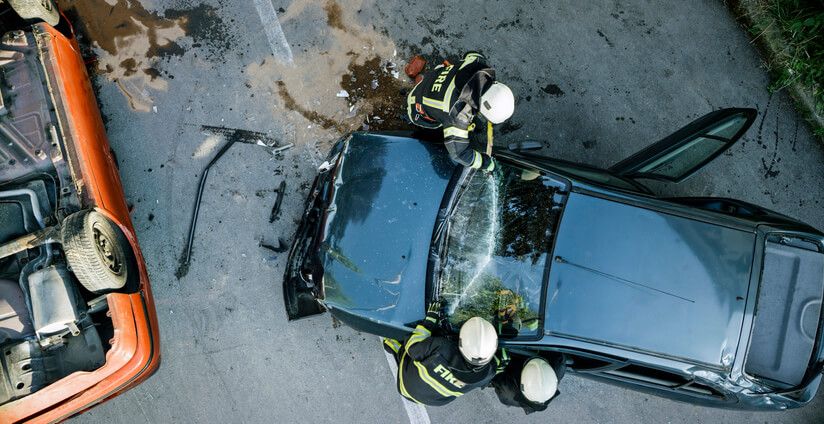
788	312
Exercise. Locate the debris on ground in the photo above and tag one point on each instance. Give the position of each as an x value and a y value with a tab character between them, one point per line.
374	89
310	115
242	136
282	246
281	191
282	148
232	136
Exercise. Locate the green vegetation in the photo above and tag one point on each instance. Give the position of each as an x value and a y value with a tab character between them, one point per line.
494	302
794	32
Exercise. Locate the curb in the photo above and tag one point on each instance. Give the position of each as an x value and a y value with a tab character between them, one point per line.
771	42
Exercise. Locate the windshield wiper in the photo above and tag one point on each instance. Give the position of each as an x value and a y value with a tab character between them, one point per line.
455	198
441	233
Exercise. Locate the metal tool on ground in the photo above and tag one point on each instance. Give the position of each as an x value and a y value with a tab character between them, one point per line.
232	136
281	192
282	246
282	148
242	136
183	268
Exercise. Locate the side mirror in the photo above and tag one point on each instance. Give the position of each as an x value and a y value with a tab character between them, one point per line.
525	146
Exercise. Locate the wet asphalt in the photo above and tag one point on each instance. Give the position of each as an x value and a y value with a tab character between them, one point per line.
596	81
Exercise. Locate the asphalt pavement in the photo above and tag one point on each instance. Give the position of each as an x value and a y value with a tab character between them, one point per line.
595	81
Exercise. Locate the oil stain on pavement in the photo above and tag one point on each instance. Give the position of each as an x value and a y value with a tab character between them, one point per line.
129	41
346	77
375	86
343	80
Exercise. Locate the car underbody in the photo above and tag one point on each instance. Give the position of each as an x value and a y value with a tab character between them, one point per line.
53	318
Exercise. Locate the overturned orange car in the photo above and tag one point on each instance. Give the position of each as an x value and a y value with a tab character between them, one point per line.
77	320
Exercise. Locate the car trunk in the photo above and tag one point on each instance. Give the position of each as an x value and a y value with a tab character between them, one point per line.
787	319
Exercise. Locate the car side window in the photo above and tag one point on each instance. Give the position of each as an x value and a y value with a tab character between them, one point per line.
682	160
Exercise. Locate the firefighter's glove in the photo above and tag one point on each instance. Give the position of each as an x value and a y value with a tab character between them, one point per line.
489	164
503	362
433	312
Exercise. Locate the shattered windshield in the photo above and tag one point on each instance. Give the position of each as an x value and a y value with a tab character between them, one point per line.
498	238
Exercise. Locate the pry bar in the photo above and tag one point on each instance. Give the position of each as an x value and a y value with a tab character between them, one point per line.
281	191
201	186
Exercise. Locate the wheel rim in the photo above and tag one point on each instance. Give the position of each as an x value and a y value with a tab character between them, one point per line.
108	251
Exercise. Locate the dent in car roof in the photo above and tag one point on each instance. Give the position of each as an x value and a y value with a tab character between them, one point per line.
649	281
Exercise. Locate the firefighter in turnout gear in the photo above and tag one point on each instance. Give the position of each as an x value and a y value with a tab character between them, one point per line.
530	383
434	369
451	96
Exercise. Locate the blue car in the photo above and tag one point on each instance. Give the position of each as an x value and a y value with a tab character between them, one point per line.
711	301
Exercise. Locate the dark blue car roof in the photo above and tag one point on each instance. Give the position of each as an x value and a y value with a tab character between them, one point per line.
648	281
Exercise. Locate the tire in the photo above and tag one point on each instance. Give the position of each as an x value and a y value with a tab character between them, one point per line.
36	10
98	253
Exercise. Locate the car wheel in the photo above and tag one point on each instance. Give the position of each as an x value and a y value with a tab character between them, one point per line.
98	252
36	10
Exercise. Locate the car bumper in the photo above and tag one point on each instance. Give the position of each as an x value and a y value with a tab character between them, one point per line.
303	290
133	357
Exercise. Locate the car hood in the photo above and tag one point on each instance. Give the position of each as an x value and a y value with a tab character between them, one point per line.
379	226
649	281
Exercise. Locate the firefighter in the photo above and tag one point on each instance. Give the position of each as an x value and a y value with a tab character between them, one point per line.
451	96
434	369
530	383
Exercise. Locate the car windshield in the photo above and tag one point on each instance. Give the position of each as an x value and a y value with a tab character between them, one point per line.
497	242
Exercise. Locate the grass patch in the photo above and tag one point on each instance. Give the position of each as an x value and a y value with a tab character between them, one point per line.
793	31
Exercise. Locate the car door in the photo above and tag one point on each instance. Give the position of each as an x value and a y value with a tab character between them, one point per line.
680	155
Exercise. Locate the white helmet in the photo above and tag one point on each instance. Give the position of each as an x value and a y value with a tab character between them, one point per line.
497	103
478	341
538	381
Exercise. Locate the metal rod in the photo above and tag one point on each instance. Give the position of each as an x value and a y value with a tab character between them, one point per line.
275	214
196	210
29	241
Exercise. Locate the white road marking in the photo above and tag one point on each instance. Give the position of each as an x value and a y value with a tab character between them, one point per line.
416	412
274	32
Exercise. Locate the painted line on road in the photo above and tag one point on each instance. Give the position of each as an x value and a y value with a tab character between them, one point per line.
274	32
416	412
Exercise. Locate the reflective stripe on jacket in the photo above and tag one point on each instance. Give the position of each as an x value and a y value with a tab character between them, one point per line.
432	371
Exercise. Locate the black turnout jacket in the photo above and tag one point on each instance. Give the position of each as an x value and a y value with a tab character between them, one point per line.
449	96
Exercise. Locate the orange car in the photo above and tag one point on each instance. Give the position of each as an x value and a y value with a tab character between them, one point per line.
77	320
